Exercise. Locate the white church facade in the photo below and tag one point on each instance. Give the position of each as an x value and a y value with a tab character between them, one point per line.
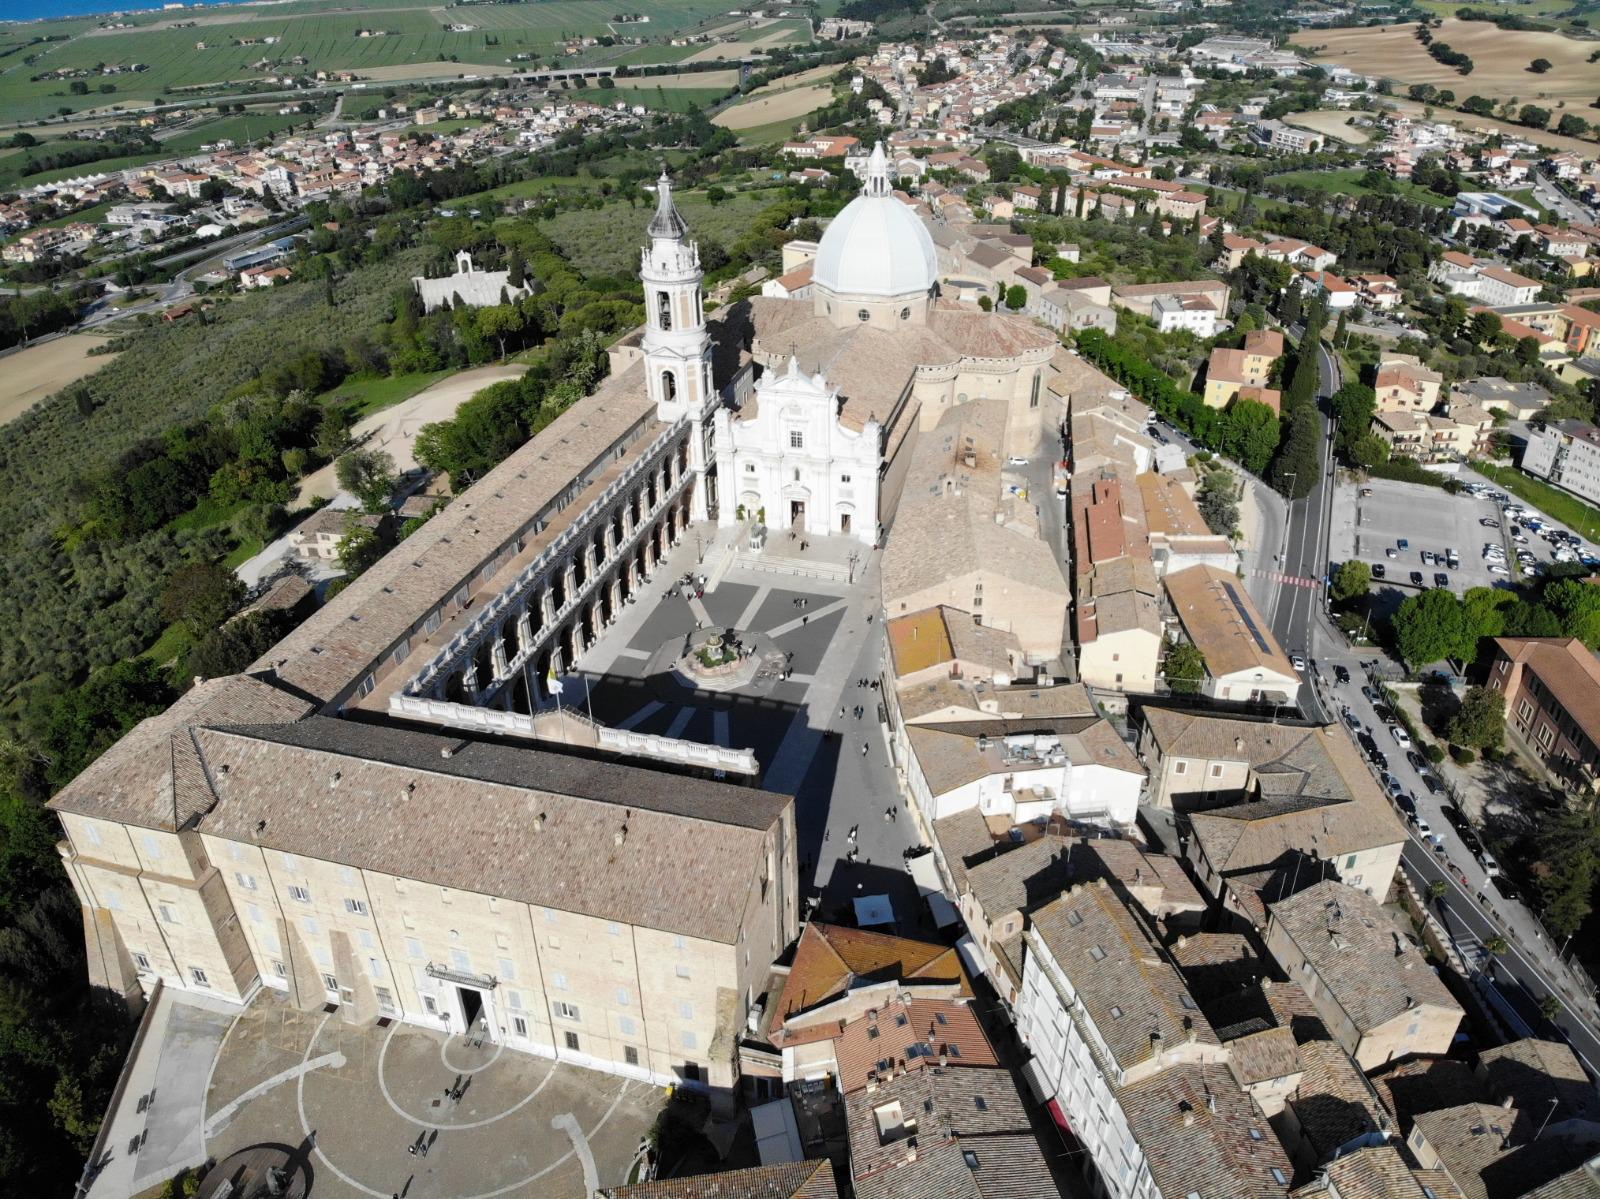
469	286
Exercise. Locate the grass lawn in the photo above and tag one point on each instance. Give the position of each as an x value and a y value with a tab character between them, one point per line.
1552	501
1348	183
366	396
241	130
658	99
245	550
171	645
764	135
604	238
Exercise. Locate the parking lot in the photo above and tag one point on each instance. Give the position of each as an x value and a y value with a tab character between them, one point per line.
1371	521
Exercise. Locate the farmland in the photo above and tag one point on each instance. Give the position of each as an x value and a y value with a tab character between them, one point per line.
1330	123
412	37
1500	58
44	369
661	99
789	105
605	239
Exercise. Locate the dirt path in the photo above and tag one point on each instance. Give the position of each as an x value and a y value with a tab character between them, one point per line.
28	376
394	429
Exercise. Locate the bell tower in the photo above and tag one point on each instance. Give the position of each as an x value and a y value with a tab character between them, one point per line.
677	348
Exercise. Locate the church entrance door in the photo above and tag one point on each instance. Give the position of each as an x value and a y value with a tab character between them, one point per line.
844	522
797	514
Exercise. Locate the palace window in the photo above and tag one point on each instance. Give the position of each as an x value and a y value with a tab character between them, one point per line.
630	1055
199	976
356	907
519	1025
142	961
797	439
331	982
664	310
299	894
669	386
863	314
571	1039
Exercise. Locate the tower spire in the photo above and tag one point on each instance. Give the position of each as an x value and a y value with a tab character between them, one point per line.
878	181
667	224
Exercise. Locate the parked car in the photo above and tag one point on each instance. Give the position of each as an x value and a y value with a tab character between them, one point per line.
1453	814
1416	578
1297	662
1341	673
1490	866
1489	522
1427	557
1351	719
1506	887
1368	691
1418	762
1379	570
1423	827
1496	569
1402	543
1391	552
1392	785
1406	804
1401	737
1470	840
1433	785
1435	842
1440	579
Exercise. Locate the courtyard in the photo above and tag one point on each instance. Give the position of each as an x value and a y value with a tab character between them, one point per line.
347	1104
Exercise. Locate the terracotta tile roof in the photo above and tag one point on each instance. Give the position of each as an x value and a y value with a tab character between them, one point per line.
150	777
830	959
1260	1056
1132	869
1369	967
1531	1072
1334	1103
1424	1084
1194	1124
953	1111
963	839
1216	964
1168	507
387	799
791	1180
909	1036
919	640
1371	1172
1570	671
1023	878
1128	987
1223	621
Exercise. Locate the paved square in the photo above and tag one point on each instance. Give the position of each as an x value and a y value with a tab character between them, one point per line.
351	1100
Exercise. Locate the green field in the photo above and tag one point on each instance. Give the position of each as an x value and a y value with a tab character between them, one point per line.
1348	183
1552	501
606	239
240	130
415	35
661	99
367	396
777	131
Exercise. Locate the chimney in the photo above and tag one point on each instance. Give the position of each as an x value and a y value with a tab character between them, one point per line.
621	836
1155	1044
446	752
538	823
1238	743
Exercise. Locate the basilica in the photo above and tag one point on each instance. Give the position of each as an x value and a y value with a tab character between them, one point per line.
813	406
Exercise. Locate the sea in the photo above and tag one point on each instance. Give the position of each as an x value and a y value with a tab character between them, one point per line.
33	10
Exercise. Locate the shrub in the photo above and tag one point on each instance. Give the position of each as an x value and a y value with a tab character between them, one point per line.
1462	755
1433	753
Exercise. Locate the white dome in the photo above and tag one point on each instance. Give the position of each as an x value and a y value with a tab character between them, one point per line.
877	246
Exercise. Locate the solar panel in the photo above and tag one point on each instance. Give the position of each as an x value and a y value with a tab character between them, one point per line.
1244	615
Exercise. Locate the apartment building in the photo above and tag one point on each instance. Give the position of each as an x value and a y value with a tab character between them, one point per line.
1567	454
1404	384
1245	371
1552	691
1375	991
1122	1051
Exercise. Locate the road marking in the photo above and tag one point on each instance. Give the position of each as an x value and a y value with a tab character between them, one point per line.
568	1124
223	1115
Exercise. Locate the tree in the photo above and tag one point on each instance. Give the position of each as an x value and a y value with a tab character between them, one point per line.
200	595
239	642
360	546
1550	1007
1250	434
1217	504
1497	945
1572	125
369	476
82	722
1438	889
1539	66
1533	116
1184	668
1568	847
1352	580
1353	406
1016	297
1429	628
1483	328
1483	608
985	303
1480	723
1576	606
715	195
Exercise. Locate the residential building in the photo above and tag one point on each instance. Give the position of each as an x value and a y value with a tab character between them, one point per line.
319	536
1286	139
1375	991
1567	454
1403	384
1490	1152
1243	661
1122	1051
790	1180
1230	372
1519	401
1552	690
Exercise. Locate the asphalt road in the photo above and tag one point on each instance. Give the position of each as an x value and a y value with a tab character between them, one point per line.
1529	970
1304	559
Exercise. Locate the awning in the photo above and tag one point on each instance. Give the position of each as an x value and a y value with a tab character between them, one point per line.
925	873
968	949
873	910
1059	1117
1038	1084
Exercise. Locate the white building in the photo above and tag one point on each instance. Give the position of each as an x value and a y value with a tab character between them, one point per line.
793	464
469	286
1568	455
1197	314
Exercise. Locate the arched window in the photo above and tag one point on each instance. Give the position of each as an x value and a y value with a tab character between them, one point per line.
664	310
1033	400
905	314
669	386
862	315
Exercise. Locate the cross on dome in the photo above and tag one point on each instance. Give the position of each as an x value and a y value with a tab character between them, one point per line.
878	181
667	224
